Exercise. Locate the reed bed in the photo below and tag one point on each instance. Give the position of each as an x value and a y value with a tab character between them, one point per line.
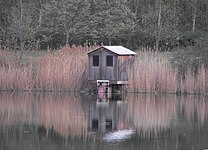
62	70
66	70
153	73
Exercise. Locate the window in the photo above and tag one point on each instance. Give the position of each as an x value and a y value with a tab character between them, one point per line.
95	60
95	124
109	61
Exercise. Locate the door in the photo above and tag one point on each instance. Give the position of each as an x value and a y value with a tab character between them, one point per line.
109	67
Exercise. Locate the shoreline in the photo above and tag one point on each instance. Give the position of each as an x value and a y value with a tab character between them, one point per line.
93	92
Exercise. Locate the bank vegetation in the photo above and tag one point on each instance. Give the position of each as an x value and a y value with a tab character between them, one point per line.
66	70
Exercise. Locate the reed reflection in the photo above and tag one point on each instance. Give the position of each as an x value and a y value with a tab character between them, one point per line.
163	118
152	115
61	113
72	116
194	108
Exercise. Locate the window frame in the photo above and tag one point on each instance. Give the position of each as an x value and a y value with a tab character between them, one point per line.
109	61
95	61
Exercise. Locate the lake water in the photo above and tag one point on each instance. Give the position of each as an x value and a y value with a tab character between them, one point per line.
61	121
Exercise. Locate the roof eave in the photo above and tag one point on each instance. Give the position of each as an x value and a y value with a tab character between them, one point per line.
99	48
94	50
111	51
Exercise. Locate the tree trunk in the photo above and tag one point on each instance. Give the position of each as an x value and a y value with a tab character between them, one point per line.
40	13
21	31
37	45
109	42
67	37
194	16
158	32
175	15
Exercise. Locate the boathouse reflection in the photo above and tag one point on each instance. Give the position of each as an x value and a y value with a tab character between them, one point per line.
147	114
72	116
108	115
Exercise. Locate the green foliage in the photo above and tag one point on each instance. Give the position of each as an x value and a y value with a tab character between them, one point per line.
109	21
38	24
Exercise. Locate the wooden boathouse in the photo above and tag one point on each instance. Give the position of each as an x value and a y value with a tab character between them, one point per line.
110	65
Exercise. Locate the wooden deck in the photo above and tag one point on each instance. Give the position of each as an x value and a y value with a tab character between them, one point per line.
111	82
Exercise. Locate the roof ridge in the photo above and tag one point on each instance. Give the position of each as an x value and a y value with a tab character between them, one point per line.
118	49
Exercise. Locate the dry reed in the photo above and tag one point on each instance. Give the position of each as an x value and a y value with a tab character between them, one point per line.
153	73
62	70
66	70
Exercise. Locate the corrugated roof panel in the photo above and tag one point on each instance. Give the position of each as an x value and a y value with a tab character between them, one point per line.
120	50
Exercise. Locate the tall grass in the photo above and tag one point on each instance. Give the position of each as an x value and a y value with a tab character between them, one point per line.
153	73
194	82
64	69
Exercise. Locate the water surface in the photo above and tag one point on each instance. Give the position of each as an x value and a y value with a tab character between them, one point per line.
62	121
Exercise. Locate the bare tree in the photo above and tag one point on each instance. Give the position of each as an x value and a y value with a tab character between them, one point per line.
158	29
21	30
194	15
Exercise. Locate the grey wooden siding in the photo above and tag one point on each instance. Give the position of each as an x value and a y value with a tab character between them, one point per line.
117	72
102	72
94	71
109	73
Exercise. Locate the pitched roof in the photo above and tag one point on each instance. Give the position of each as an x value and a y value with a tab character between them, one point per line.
120	50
